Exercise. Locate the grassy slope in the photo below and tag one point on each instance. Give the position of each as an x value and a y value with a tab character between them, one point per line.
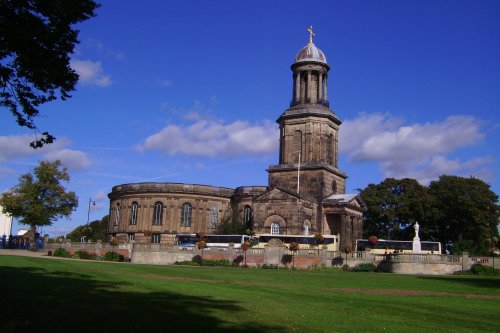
74	296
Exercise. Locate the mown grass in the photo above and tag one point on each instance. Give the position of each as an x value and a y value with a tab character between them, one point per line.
46	295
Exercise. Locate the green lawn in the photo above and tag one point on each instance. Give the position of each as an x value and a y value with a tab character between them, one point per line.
44	295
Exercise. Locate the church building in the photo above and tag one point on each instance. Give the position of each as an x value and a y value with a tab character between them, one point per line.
305	194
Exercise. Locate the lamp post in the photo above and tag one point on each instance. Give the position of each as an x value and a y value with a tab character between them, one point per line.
88	214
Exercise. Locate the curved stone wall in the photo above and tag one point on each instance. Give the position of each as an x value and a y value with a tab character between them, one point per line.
141	211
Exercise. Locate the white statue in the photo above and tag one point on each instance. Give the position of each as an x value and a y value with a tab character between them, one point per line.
417	228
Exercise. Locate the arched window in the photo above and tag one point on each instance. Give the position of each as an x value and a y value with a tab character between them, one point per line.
117	214
186	215
248	216
275	228
330	153
297	146
133	213
158	213
334	187
213	217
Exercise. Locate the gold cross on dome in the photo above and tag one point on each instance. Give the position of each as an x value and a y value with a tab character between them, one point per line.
311	34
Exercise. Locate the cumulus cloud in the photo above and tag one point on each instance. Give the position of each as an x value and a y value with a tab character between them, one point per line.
418	150
17	147
213	138
91	72
72	159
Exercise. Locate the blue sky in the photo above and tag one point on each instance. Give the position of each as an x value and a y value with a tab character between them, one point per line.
189	92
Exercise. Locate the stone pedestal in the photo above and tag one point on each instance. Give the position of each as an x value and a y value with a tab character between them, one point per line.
417	247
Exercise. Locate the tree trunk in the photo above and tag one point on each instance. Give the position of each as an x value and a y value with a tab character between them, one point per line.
33	238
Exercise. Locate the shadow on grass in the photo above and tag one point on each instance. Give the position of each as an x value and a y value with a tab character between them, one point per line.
33	299
469	280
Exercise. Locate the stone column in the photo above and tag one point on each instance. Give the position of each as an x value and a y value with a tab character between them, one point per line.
297	87
308	95
320	87
326	88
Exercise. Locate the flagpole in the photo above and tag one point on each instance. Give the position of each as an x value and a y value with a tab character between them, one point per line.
298	177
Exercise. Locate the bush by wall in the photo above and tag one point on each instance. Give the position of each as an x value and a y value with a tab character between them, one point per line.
61	253
479	269
365	267
85	255
111	256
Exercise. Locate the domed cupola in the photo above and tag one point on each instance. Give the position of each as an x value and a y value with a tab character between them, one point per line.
310	52
310	75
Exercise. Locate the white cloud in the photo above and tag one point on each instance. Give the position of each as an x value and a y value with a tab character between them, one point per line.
214	138
416	151
72	159
17	147
14	146
91	72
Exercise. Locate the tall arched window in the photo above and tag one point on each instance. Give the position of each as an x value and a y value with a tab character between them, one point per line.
158	213
297	146
133	213
186	215
117	214
275	228
213	217
248	216
330	153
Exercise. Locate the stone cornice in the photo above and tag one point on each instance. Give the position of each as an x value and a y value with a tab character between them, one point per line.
306	166
135	188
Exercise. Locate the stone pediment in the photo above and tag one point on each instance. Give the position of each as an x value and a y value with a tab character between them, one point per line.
351	200
278	194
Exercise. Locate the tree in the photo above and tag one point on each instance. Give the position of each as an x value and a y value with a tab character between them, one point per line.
465	214
394	205
96	230
39	199
231	223
37	39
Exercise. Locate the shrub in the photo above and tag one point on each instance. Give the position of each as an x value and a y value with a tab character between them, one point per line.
111	256
85	255
345	268
269	266
187	263
61	253
365	267
216	263
479	269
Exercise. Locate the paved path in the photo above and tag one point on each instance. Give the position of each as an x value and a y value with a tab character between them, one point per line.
23	253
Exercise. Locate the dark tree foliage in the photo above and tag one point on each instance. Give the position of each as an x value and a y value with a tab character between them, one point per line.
461	213
39	199
96	230
36	41
231	223
394	206
465	214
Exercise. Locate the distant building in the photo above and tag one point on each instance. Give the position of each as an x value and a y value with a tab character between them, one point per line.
5	223
305	192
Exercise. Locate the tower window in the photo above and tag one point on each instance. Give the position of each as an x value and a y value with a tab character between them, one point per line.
158	213
330	153
297	146
186	215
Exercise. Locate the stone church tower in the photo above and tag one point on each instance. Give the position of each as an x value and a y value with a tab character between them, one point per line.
309	133
307	189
